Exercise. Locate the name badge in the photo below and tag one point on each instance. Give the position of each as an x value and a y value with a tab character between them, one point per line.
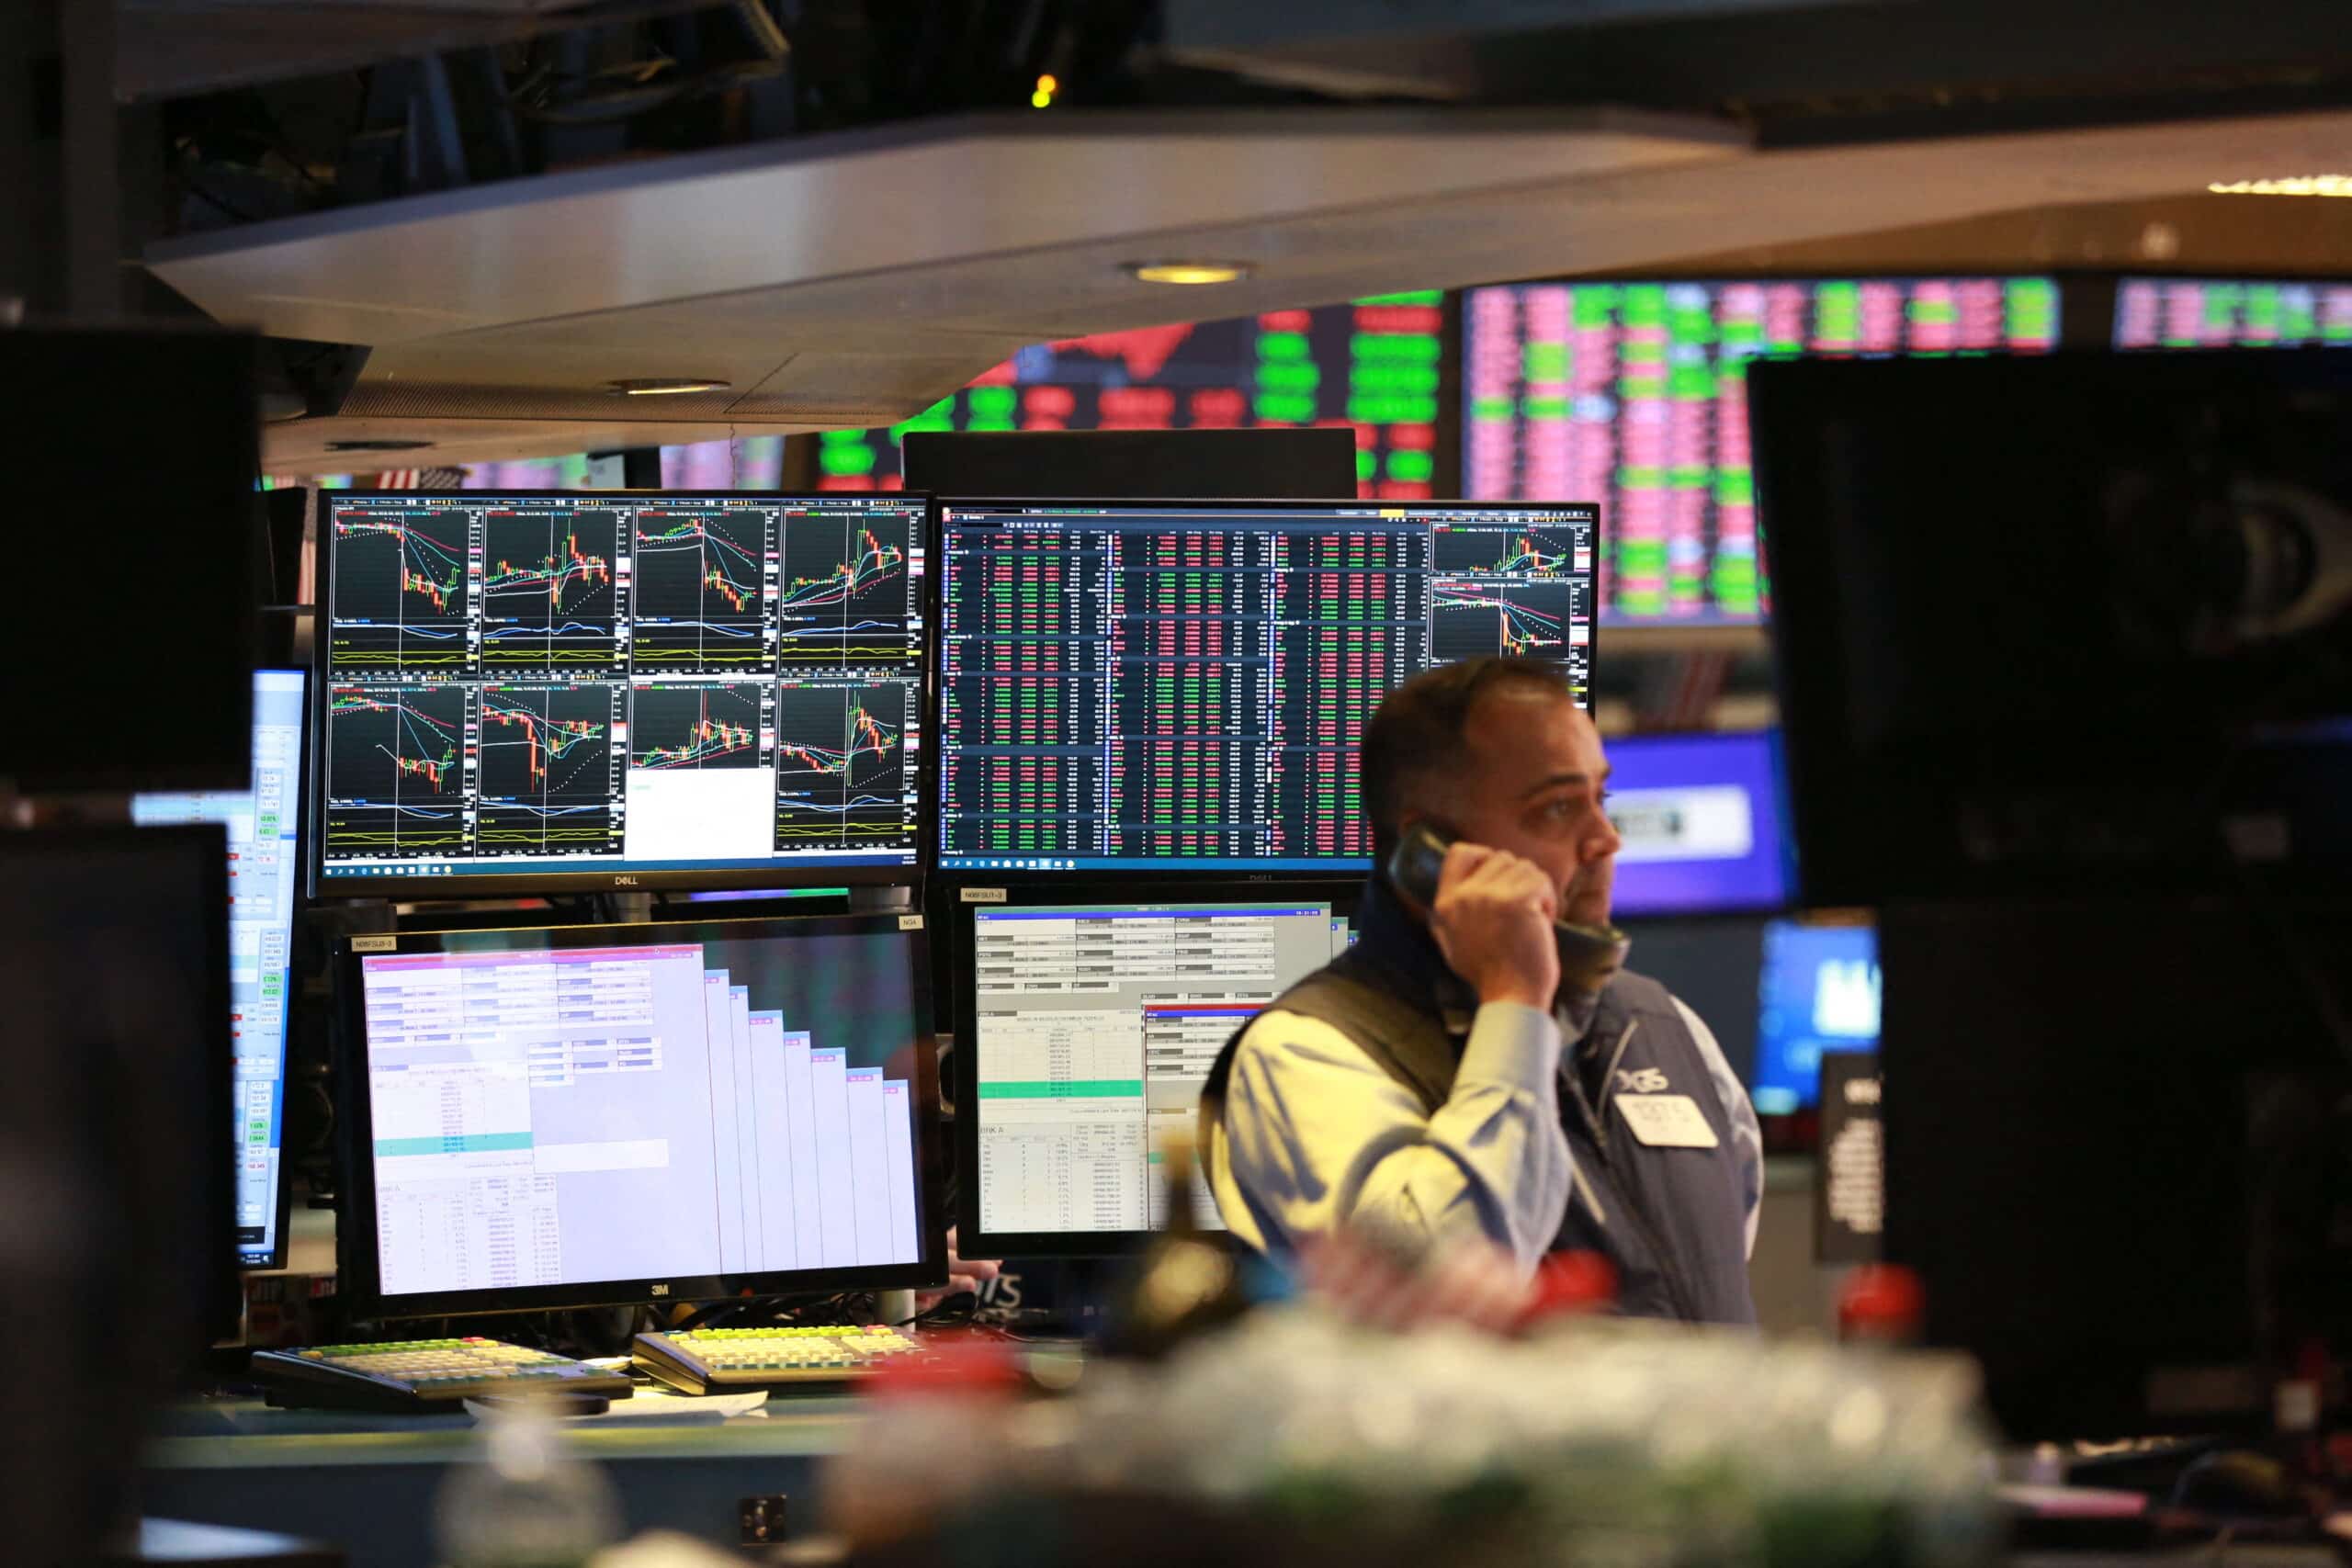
1667	1120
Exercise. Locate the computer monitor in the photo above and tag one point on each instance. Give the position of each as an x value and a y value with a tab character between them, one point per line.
1375	368
1817	991
582	691
158	703
262	826
580	1115
2118	1150
1090	1025
1635	391
1702	821
2128	671
1181	685
2232	312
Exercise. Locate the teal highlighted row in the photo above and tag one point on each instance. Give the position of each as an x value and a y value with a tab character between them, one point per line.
459	1143
1072	1088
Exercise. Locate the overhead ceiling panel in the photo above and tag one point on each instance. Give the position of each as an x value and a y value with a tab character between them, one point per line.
853	280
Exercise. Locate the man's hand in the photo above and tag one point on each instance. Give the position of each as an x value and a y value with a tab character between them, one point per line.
1493	921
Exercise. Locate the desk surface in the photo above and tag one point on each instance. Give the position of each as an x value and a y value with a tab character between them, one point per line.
245	1434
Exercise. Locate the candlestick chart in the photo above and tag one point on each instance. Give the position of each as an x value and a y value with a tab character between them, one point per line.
704	591
549	774
403	592
550	592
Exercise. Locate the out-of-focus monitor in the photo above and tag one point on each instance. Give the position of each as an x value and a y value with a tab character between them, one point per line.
2119	1153
1089	1024
1817	991
1298	465
576	691
159	701
262	825
576	1115
1181	685
1702	822
2232	312
2016	593
1635	393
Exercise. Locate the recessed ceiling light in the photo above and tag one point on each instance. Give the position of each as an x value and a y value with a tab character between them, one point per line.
1188	271
2297	185
662	386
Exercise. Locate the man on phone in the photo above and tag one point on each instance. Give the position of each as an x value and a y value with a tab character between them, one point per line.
1439	1083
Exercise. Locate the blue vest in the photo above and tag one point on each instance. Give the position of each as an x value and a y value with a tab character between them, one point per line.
1673	1221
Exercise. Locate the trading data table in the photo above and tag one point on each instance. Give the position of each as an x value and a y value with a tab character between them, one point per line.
1147	684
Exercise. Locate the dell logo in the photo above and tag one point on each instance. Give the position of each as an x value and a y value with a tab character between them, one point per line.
661	1289
624	881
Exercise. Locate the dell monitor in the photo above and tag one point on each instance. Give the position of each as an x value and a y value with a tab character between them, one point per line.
1091	1021
1181	685
1816	992
583	1115
1701	824
265	874
556	691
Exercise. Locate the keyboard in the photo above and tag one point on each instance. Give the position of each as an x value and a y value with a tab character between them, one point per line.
421	1375
738	1360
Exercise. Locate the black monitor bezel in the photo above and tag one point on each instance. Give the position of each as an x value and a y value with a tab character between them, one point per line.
1157	870
357	1253
324	882
973	1238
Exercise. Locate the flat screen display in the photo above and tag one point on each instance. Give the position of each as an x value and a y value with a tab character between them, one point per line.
1702	823
1183	685
579	690
586	1114
265	879
1092	1029
1817	992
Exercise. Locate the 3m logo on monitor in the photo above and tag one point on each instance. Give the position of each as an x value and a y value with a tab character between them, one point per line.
659	1290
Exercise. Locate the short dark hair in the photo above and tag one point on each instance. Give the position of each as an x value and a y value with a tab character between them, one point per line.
1418	729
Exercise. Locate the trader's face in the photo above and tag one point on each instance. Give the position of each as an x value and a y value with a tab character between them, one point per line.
1533	783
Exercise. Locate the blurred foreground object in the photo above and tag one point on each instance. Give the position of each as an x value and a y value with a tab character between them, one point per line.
2064	624
1296	1436
115	1208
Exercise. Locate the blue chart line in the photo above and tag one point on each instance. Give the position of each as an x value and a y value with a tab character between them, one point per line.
409	628
542	632
537	810
705	626
791	632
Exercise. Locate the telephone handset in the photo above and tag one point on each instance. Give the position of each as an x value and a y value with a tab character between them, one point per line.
1588	954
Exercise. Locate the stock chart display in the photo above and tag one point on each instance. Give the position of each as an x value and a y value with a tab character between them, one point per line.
1373	365
1635	394
571	685
2218	313
1186	686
